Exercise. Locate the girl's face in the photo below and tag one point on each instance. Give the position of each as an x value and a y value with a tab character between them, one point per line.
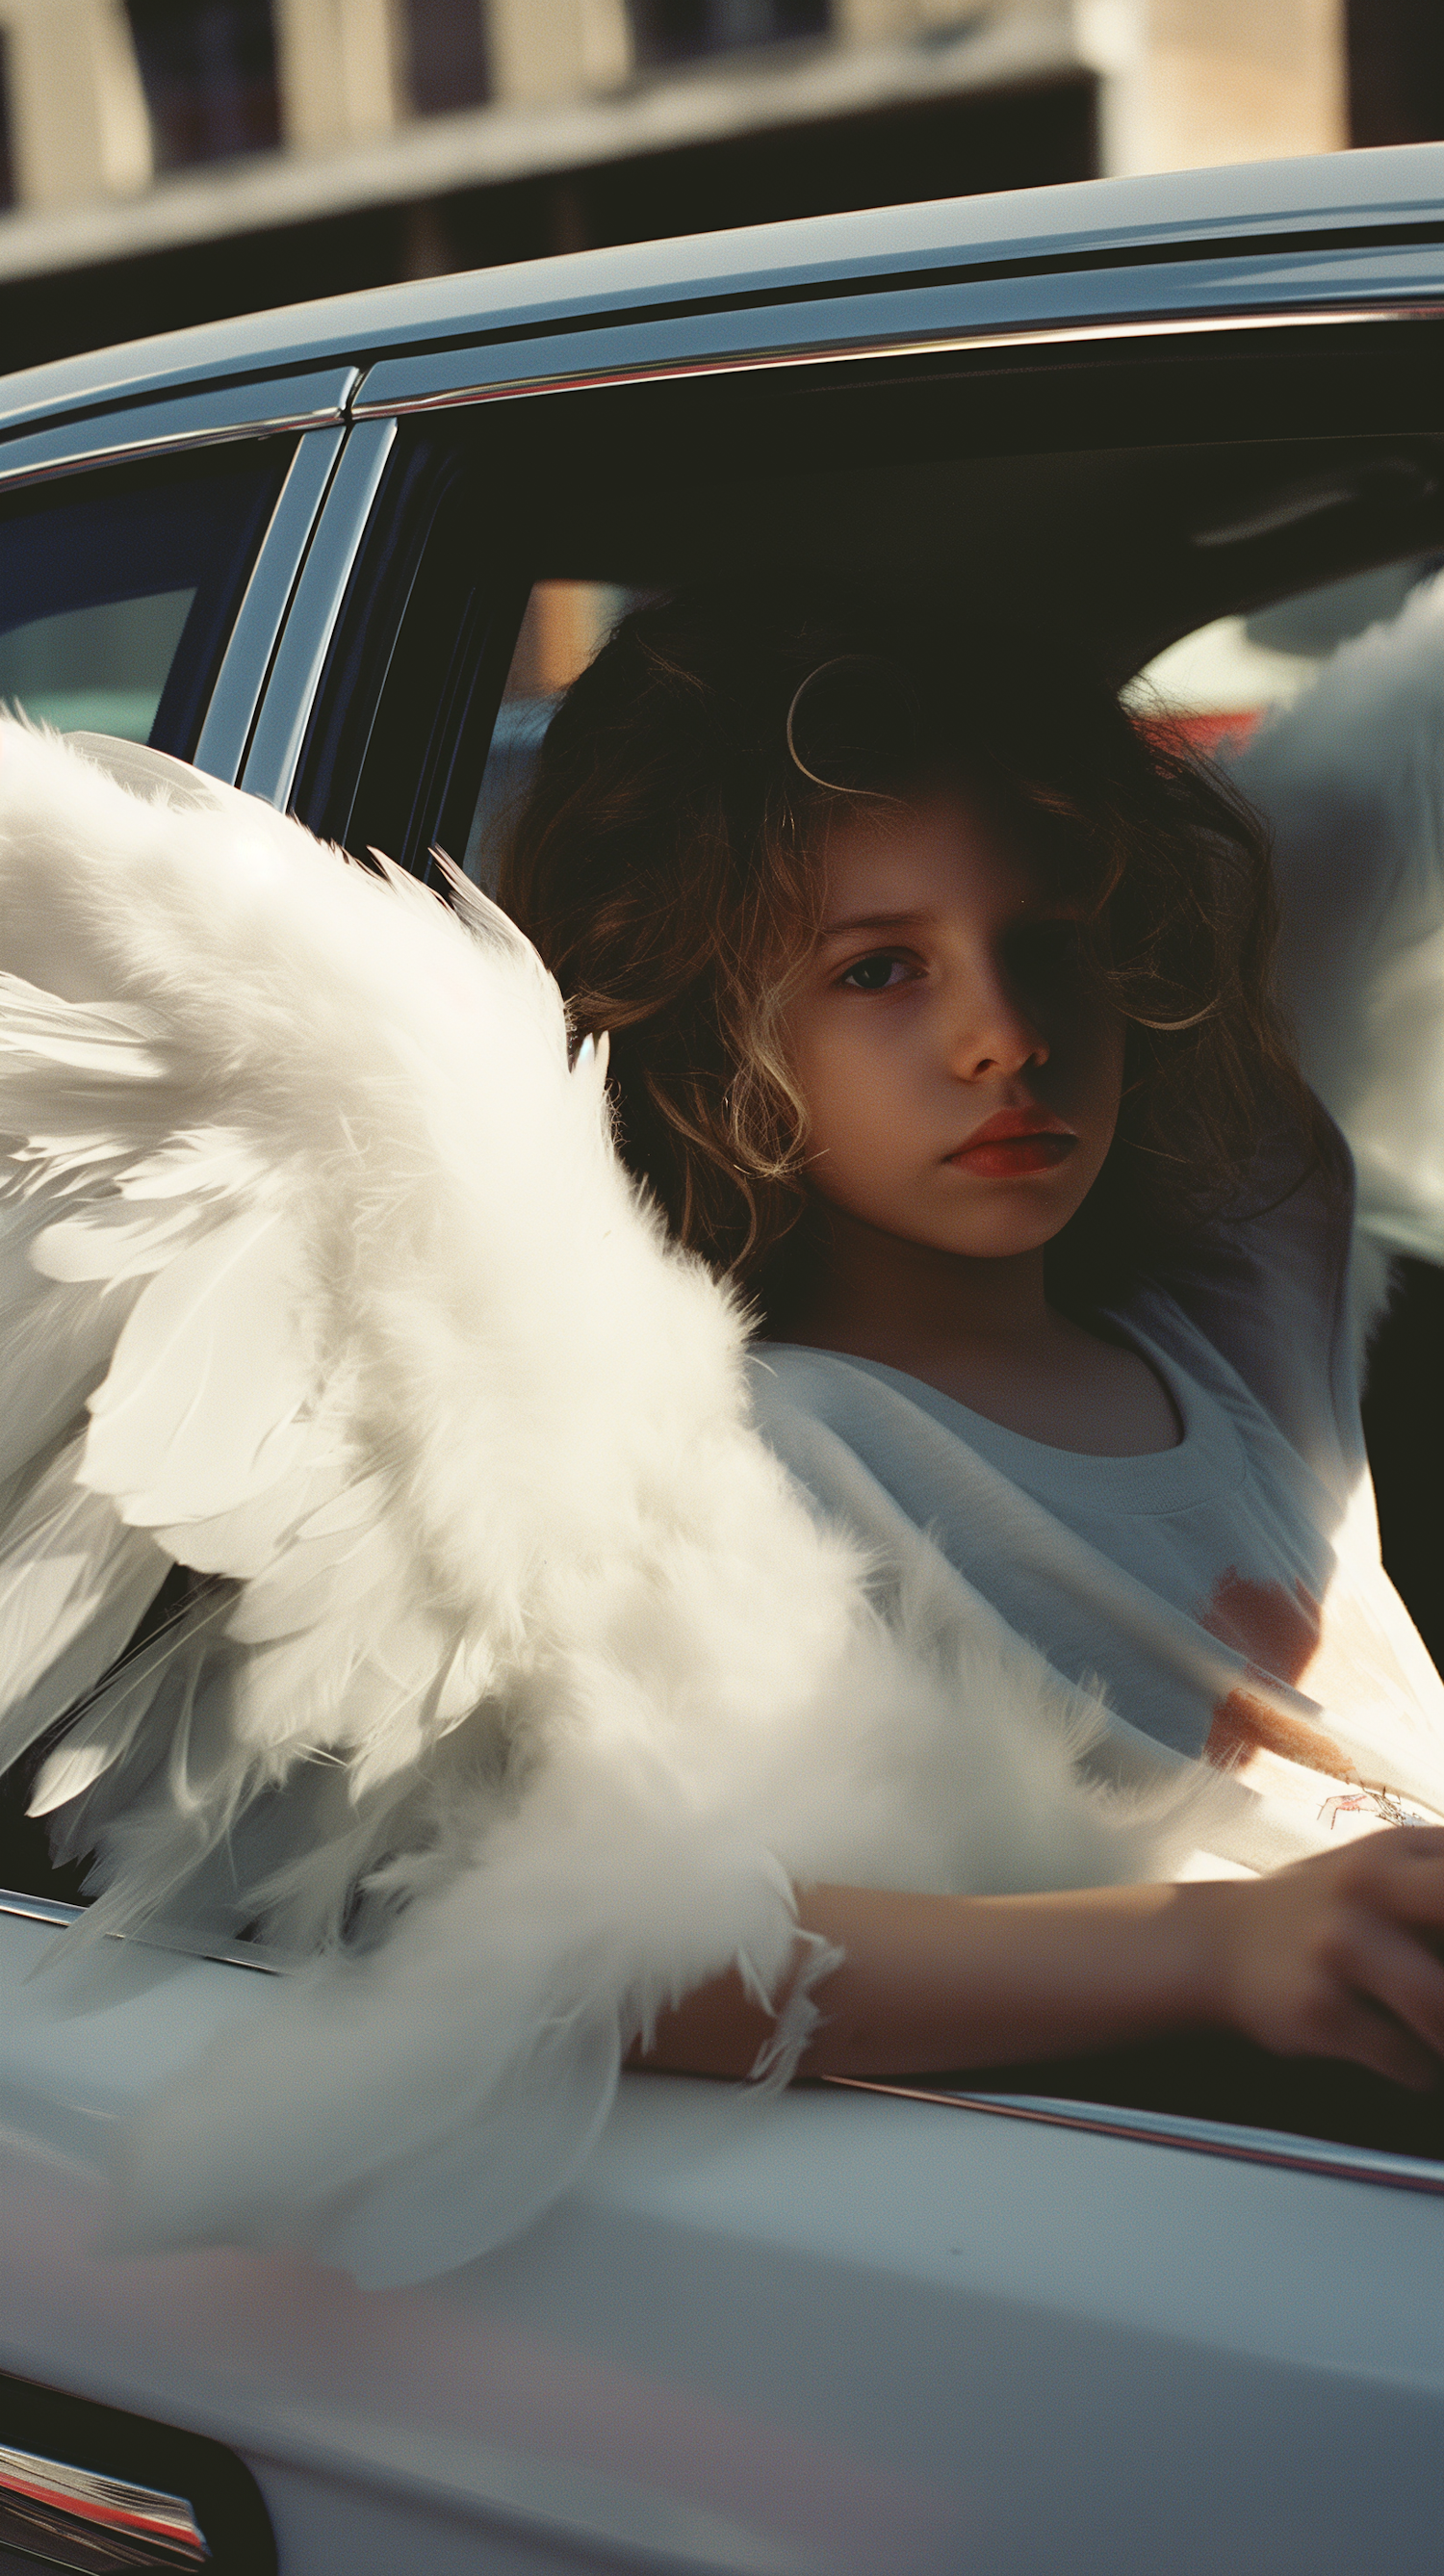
961	1065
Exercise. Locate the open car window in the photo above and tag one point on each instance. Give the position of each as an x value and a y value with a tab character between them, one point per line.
1211	687
506	542
1187	565
1109	497
563	624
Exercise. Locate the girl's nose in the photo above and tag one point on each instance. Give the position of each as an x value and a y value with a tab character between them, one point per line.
993	1033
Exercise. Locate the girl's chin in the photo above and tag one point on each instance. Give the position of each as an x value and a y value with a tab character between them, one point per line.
1000	1222
986	1243
1005	1234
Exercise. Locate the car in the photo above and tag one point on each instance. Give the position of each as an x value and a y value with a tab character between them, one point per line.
345	556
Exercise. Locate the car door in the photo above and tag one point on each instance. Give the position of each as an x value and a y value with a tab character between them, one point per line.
1235	433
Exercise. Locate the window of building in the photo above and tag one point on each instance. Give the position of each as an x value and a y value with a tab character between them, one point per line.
7	154
1396	71
209	73
680	31
446	66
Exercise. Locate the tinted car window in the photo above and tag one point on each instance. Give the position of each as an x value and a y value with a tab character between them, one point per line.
564	623
1160	514
118	590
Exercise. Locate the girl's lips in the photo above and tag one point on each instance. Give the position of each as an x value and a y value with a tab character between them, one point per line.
1015	1142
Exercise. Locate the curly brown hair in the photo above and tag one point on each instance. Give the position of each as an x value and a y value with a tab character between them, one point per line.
668	866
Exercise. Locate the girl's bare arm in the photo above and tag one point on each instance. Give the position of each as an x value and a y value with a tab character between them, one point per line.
1332	1957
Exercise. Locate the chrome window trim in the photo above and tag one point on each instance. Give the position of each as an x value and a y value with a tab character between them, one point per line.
1229	2139
310	624
290	689
39	1909
208	418
59	1916
251	648
47	2505
950	343
1278	2148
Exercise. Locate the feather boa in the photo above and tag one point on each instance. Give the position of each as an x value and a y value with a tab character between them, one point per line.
523	1688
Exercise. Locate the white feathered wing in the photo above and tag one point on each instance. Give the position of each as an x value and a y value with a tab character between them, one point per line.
520	1686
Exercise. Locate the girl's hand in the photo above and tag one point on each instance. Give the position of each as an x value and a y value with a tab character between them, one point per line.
1338	1956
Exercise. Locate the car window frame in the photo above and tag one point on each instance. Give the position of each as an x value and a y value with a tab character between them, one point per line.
469	677
371	526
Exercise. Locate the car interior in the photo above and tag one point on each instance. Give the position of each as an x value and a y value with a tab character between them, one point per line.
1270	493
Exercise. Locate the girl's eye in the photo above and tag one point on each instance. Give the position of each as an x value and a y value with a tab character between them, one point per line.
876	974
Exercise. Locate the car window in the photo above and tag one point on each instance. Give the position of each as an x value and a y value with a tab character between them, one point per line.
1214	686
1114	545
506	542
562	626
118	589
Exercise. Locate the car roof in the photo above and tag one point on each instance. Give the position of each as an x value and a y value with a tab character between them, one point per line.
1322	196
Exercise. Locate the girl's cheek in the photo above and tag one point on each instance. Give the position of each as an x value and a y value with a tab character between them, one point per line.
1093	1033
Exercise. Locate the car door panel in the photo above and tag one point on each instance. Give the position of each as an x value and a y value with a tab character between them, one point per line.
832	2330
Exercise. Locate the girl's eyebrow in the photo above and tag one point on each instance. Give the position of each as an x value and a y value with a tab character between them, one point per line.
876	921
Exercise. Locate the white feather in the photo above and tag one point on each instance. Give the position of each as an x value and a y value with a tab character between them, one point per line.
73	1583
207	1379
526	1686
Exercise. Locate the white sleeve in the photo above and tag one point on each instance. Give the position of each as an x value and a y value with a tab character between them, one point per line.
1351	780
1272	1292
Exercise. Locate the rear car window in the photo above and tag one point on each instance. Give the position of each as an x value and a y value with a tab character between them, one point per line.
1215	685
118	589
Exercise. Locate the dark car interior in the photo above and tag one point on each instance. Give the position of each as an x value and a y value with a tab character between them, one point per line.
1118	497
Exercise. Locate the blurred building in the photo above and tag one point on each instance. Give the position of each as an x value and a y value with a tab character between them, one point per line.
162	161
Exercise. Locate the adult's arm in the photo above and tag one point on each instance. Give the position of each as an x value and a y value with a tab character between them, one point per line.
1329	1957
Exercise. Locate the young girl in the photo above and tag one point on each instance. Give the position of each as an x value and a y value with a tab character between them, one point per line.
940	1022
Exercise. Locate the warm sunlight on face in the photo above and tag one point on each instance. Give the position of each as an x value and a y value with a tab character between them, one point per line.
961	1066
